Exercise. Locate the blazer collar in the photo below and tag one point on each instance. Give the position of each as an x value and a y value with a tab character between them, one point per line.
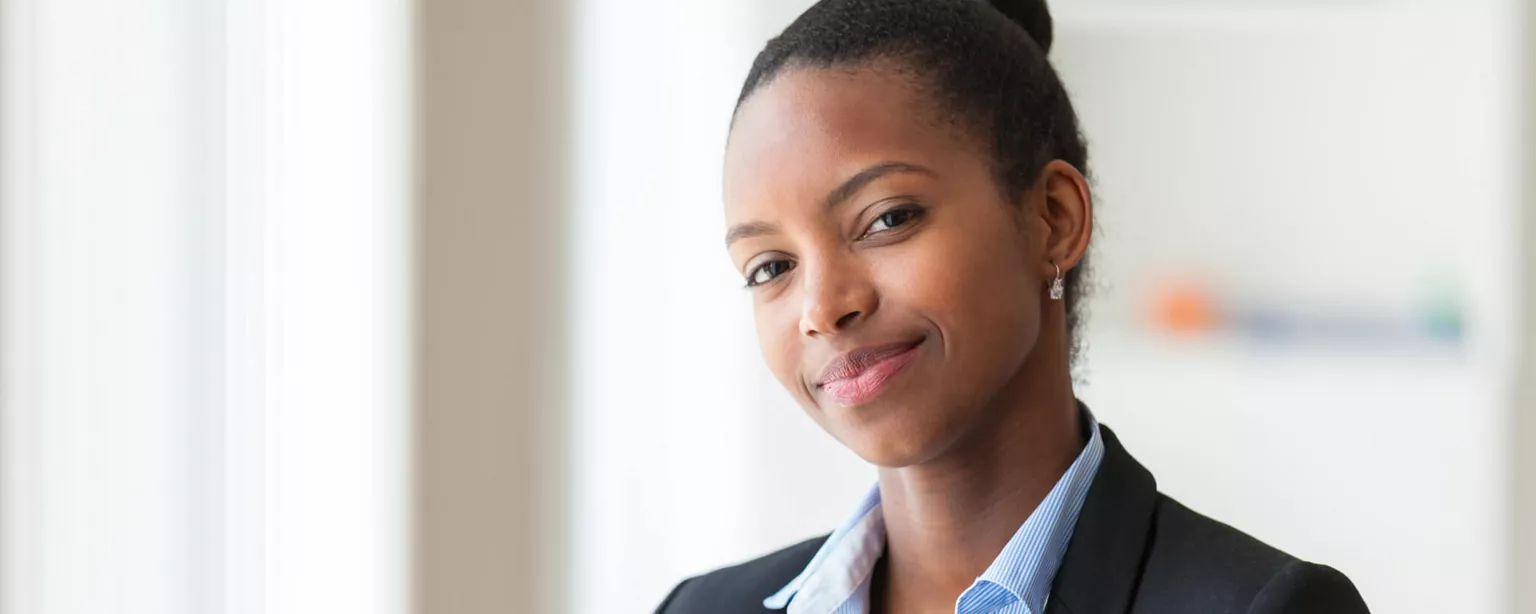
1102	565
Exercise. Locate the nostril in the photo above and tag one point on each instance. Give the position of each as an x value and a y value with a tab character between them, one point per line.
847	317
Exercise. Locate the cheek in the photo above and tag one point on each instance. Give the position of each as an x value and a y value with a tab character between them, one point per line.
975	284
778	334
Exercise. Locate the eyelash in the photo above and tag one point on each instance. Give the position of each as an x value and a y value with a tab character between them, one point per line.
912	213
752	281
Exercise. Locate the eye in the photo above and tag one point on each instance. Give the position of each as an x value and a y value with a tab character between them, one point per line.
893	219
767	271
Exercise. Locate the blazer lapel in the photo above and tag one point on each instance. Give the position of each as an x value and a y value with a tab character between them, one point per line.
1102	566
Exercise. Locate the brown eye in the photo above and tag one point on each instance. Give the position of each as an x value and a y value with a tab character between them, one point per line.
767	271
893	219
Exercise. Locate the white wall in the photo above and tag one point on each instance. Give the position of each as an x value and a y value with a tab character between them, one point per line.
204	315
336	304
102	298
1315	157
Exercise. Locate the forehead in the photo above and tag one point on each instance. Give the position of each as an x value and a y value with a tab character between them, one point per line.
808	129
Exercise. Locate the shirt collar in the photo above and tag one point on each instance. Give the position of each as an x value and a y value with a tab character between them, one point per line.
1023	571
863	524
1028	563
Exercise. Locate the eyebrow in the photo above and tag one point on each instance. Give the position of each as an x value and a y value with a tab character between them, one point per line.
836	197
749	230
867	176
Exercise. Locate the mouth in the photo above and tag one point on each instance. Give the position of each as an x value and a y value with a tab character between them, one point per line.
860	376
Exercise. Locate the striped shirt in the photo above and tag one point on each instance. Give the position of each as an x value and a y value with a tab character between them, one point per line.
1017	582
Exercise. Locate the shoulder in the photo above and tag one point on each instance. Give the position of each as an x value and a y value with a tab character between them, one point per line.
741	588
1199	564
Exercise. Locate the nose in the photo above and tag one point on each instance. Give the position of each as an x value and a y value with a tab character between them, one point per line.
838	295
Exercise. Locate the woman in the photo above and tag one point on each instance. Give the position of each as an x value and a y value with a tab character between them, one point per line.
906	201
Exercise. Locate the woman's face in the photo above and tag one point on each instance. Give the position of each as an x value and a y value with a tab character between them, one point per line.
896	293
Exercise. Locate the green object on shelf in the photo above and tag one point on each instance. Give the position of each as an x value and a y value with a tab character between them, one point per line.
1444	317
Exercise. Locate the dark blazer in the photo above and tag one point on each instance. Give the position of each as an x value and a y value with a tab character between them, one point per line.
1134	551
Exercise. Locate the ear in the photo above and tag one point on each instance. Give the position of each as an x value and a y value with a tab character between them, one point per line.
1065	205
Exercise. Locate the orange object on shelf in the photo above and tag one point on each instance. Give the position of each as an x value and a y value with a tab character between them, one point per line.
1183	307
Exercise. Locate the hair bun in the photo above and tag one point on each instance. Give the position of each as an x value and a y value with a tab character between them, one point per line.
1032	15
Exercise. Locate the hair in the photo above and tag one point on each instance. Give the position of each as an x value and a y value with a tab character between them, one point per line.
984	64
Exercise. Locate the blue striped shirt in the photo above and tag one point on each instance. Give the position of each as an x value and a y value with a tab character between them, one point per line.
1017	582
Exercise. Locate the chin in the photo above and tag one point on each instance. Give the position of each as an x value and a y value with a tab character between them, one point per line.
899	440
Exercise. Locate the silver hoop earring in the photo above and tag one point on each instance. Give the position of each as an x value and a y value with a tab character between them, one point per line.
1058	288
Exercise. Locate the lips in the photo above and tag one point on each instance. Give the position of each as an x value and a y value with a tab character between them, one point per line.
859	376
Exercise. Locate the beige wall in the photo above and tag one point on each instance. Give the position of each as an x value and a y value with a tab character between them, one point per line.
490	160
1523	568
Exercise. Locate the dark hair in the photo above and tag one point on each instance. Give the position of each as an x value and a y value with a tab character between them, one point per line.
985	64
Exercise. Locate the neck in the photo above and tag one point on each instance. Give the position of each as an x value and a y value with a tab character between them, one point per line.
947	519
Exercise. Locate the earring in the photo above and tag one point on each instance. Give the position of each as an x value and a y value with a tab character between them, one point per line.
1058	289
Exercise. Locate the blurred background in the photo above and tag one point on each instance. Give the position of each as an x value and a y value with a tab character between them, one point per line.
384	306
